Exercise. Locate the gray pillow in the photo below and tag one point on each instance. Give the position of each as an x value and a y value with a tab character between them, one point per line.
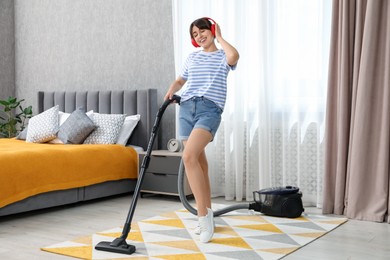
76	127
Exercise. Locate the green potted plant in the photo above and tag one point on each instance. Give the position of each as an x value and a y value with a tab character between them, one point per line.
13	117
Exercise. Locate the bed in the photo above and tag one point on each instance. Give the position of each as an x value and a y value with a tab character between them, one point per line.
15	198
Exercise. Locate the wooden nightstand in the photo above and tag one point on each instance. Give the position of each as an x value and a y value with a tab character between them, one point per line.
161	177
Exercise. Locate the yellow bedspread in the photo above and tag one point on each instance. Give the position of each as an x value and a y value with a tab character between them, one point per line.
27	169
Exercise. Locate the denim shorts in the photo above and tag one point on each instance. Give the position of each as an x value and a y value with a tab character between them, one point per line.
198	112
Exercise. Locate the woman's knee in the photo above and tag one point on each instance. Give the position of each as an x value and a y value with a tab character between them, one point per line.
189	158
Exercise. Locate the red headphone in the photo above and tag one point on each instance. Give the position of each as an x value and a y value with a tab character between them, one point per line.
212	31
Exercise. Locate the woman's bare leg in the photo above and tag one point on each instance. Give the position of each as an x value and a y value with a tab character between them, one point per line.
195	163
205	167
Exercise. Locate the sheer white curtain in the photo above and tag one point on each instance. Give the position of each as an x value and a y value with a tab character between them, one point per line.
272	128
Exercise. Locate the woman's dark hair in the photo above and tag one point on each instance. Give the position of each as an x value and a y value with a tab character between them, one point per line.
201	23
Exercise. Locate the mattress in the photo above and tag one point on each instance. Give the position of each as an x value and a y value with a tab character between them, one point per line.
28	169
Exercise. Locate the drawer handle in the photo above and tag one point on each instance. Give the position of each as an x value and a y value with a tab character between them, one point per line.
160	174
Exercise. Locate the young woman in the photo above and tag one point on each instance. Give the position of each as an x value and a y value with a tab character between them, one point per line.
202	103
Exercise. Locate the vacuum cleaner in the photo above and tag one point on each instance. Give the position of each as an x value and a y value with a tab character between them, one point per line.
277	201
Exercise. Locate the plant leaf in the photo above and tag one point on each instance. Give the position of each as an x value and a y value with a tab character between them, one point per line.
4	102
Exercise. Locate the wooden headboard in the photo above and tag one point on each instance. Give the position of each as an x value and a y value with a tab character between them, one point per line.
130	102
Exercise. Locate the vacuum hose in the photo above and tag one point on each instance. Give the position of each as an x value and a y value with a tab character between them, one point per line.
191	209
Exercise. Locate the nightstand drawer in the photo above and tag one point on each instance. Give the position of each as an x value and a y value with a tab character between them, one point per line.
164	164
160	183
162	174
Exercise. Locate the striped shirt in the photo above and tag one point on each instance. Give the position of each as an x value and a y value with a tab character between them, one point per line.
206	75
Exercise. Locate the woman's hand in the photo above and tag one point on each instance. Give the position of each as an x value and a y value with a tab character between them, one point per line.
232	54
218	34
175	86
169	95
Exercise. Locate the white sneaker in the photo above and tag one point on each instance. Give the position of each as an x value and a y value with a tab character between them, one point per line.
206	225
197	228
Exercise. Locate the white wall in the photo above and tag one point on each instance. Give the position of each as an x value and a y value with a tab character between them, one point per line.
94	45
7	54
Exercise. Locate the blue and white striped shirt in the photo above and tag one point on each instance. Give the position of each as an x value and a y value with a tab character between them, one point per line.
206	75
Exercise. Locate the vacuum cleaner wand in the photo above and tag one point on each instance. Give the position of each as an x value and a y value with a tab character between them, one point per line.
119	245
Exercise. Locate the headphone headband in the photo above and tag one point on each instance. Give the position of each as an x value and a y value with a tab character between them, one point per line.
210	19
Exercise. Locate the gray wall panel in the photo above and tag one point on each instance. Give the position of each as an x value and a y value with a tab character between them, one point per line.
94	45
7	52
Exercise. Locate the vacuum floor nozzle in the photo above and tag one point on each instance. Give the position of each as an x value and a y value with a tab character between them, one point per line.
120	249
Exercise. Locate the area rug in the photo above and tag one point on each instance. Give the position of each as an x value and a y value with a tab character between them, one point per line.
239	234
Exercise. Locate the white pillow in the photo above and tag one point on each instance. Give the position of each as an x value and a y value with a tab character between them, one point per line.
43	127
127	129
107	130
62	116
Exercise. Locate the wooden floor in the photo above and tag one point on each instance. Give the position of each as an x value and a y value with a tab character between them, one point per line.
22	236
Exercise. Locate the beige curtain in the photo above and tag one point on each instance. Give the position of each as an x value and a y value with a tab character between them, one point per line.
357	140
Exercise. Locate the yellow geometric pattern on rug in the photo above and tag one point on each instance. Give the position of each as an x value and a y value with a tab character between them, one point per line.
282	251
167	222
240	234
264	227
232	241
185	244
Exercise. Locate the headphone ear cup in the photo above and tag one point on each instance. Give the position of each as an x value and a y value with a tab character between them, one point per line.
194	43
213	29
